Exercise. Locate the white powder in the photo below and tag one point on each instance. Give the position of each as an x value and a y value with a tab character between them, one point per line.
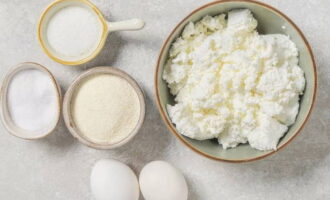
74	32
105	108
32	100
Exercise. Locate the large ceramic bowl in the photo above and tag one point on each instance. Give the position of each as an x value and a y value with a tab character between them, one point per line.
270	20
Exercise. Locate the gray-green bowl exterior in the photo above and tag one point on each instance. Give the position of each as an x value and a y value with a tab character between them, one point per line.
270	21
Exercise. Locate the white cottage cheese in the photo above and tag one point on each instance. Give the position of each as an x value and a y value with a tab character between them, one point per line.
233	84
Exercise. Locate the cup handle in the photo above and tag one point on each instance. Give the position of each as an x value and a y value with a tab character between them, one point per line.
127	25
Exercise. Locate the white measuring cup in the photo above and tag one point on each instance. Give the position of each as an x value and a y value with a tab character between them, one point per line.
107	27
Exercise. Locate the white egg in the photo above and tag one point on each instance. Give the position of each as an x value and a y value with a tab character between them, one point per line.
113	180
159	180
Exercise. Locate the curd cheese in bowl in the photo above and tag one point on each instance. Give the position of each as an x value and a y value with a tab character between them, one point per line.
232	83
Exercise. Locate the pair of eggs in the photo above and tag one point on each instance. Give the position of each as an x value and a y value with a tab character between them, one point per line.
158	180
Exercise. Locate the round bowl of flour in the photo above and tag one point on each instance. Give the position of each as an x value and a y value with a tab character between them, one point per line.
104	108
235	80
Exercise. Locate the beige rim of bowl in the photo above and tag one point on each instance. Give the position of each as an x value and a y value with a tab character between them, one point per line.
5	116
88	58
169	123
74	130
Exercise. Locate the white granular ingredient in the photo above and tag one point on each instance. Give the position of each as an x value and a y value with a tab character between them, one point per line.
74	32
232	83
32	100
106	108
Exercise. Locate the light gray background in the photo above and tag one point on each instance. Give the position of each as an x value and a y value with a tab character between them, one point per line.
58	167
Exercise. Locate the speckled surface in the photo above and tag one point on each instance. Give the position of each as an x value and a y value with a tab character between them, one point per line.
58	166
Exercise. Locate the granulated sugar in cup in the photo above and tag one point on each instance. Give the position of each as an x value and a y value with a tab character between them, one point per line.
73	32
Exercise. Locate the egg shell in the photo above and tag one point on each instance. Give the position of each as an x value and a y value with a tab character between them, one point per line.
113	180
159	180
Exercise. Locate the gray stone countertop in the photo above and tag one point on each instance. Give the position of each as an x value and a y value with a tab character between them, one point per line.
58	166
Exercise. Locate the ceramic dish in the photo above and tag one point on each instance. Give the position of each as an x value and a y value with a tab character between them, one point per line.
5	115
132	24
270	20
74	130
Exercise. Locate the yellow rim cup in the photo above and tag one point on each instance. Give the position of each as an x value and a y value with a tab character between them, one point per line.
132	24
